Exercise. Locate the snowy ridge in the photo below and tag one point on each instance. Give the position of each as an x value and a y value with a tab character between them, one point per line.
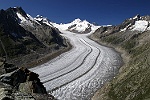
83	26
141	24
77	26
43	20
28	20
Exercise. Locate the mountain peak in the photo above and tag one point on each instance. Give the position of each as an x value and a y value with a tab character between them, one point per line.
78	20
39	16
17	9
137	16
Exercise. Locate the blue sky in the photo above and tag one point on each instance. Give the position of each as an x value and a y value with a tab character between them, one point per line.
103	12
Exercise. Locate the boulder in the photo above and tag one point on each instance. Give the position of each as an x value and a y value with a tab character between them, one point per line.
32	87
26	87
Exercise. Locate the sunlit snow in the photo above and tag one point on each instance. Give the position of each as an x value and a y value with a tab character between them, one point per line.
77	25
26	21
140	25
22	19
43	19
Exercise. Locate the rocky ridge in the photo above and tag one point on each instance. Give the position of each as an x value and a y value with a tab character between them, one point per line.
24	39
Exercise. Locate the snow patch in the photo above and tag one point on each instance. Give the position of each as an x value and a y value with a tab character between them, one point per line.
22	19
31	18
140	25
122	30
25	21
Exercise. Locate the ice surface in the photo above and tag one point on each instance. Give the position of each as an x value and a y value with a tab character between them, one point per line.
80	72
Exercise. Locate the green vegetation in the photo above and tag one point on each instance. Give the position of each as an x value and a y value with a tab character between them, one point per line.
132	83
129	44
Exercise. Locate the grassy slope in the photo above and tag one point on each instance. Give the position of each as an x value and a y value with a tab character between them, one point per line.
132	83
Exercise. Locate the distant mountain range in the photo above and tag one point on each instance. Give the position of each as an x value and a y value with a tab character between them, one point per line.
77	26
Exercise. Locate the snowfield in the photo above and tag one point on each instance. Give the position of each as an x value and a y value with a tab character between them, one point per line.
80	72
77	25
140	25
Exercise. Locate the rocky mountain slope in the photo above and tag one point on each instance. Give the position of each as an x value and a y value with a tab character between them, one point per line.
77	26
24	39
132	36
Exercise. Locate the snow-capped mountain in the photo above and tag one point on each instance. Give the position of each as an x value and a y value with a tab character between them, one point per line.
23	35
137	23
77	26
40	26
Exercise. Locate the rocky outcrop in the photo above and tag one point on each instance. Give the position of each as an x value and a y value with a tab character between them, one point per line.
22	84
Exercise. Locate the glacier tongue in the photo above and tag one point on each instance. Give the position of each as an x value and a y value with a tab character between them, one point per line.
77	74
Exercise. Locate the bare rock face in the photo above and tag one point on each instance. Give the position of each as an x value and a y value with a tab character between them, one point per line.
20	84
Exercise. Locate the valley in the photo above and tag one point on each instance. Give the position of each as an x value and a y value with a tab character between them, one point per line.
78	73
73	61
